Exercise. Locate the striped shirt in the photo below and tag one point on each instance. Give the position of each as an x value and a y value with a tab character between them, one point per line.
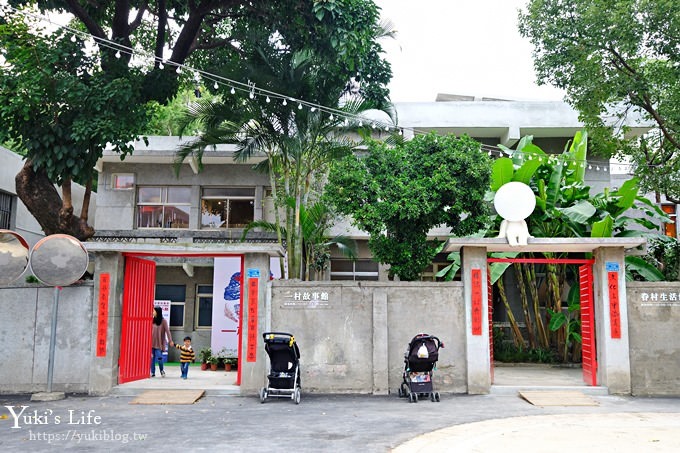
186	353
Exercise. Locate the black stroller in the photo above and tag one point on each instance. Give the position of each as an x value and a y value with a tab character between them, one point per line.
284	367
419	360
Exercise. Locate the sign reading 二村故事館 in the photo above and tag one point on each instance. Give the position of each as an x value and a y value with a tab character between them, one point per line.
306	299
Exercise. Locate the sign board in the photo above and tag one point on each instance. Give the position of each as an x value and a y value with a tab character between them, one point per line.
103	313
476	282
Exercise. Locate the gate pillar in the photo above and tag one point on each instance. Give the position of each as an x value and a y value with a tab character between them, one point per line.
474	268
611	320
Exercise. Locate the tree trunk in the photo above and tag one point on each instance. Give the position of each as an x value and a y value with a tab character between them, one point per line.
43	201
517	336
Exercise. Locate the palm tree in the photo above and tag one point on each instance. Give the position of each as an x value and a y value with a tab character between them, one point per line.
298	143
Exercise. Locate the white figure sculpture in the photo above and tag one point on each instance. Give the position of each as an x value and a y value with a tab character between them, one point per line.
514	201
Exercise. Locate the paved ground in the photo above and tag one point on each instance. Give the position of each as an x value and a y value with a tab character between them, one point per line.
497	422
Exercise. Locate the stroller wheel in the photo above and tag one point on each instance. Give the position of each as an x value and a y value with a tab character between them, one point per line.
411	398
400	392
436	396
297	395
263	394
432	397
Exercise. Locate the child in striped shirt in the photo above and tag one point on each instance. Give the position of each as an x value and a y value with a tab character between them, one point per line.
186	356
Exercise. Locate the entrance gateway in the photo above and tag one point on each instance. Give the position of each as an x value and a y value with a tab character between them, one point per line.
585	282
609	362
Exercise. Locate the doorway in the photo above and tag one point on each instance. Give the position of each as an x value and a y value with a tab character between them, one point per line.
144	273
588	372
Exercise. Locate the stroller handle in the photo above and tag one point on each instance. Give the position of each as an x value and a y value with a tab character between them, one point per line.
285	334
440	344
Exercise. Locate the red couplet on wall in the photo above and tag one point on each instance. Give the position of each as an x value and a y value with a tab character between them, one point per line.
251	347
476	280
614	311
103	314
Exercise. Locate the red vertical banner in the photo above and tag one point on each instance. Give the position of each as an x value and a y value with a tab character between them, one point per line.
251	346
476	280
103	313
614	311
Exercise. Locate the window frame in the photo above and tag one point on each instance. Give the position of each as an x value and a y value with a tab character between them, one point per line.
227	198
356	275
6	210
200	295
163	204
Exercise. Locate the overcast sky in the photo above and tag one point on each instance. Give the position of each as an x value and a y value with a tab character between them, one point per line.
466	47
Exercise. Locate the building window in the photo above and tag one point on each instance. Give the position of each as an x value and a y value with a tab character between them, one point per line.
354	270
122	181
5	211
176	294
227	207
670	229
204	302
163	207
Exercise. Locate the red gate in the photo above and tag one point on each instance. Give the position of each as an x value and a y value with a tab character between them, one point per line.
139	290
588	350
585	273
490	312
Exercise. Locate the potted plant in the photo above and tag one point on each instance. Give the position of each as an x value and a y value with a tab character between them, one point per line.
230	363
212	360
203	356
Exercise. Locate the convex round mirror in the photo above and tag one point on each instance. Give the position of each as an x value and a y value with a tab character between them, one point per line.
13	256
58	260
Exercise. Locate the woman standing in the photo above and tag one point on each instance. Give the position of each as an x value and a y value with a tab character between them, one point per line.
159	334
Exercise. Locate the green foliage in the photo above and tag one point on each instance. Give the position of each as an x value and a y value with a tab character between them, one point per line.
59	105
614	58
506	351
397	194
663	256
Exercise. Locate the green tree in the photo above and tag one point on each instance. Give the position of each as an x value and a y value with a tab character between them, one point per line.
61	110
613	58
398	193
204	35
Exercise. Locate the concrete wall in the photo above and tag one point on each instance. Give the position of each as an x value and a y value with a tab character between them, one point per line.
654	335
355	341
25	327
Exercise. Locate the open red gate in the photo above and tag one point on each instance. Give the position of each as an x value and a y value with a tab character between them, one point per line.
139	290
589	357
588	353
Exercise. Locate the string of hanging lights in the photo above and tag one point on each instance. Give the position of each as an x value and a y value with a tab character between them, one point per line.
252	91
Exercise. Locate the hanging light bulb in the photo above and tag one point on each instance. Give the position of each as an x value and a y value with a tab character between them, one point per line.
178	70
387	128
251	95
490	154
373	125
284	102
313	109
590	167
401	132
118	54
361	124
216	86
160	65
232	91
73	38
299	106
331	117
597	168
267	100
